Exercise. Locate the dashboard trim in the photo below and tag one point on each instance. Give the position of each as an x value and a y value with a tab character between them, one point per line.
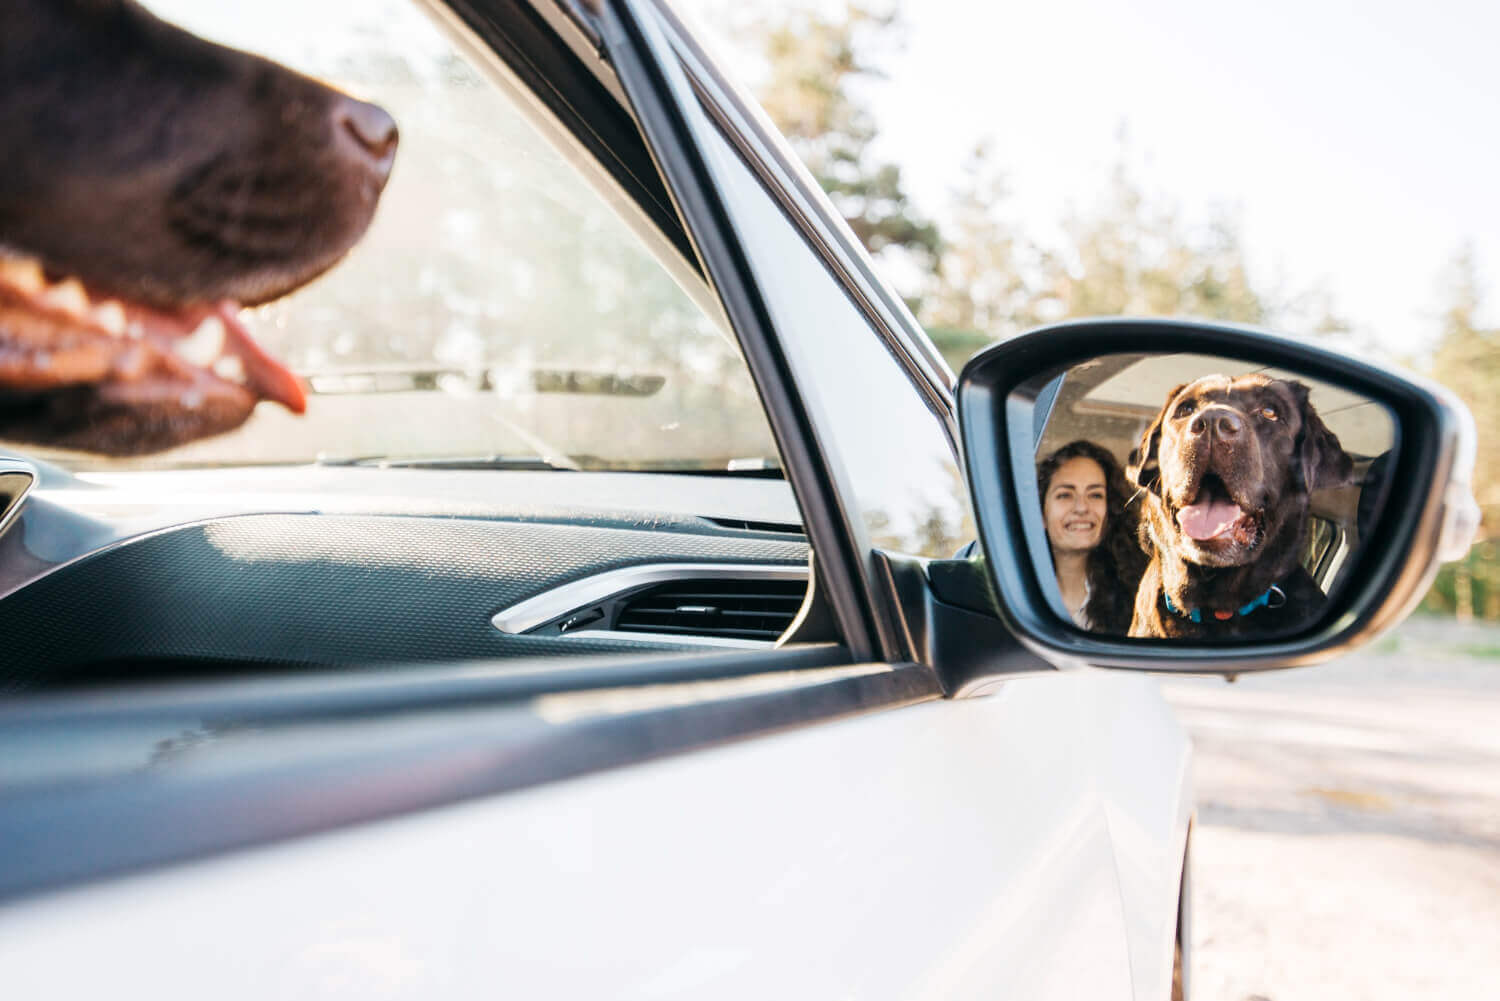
682	639
10	503
540	609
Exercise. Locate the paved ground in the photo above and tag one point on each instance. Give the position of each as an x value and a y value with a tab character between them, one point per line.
1348	840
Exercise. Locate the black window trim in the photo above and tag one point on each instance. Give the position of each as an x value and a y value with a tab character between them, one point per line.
784	177
520	34
805	204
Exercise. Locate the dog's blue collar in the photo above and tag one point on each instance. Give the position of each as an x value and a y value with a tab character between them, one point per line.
1264	600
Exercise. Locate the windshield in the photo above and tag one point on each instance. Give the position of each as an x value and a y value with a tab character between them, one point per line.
507	305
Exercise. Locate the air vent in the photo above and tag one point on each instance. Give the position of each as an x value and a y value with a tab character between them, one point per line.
731	609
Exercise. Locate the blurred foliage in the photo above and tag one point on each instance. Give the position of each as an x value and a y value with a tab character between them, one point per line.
1467	361
1470	588
958	344
1132	255
1131	251
817	62
1128	253
989	274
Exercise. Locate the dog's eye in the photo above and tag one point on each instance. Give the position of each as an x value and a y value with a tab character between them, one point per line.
1270	414
1185	408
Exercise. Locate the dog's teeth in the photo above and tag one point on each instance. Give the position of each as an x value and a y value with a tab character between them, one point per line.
110	317
230	367
67	297
23	274
203	345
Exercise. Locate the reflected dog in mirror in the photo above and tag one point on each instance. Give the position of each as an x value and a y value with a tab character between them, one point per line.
1225	472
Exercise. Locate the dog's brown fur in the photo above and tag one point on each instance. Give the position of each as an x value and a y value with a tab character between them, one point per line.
1252	441
171	175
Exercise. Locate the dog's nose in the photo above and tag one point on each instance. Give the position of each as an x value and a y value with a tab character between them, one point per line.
373	131
1225	424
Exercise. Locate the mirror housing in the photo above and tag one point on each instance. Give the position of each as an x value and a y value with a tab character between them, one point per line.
1429	514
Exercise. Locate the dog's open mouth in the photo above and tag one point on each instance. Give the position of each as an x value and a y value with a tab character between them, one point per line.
1215	517
58	333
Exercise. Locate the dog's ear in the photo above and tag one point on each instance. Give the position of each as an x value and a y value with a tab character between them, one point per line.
1322	460
1143	469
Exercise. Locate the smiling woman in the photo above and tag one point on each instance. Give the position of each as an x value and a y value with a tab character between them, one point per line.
1092	535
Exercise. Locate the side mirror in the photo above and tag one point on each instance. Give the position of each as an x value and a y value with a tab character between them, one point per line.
1180	496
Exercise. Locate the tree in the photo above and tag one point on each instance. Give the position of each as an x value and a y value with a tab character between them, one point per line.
983	281
1128	254
1467	361
817	65
1133	256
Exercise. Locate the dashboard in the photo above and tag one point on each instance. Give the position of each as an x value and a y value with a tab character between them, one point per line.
112	577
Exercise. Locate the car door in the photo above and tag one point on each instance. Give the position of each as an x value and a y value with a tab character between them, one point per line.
815	821
880	411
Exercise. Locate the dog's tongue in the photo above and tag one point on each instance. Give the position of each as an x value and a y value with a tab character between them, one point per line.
263	373
1208	519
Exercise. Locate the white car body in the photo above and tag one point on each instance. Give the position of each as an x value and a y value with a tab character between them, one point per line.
1023	844
862	826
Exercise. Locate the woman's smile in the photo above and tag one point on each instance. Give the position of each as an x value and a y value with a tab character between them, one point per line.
1075	505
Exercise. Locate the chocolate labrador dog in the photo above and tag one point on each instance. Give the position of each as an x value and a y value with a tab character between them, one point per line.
1226	471
152	184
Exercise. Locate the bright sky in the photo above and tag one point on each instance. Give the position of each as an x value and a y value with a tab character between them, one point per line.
1356	140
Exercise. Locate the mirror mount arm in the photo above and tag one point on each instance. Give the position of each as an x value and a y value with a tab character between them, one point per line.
949	622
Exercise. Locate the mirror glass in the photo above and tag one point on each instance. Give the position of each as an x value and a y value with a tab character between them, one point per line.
1197	497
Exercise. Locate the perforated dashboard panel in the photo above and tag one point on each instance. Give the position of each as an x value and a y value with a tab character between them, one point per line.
328	590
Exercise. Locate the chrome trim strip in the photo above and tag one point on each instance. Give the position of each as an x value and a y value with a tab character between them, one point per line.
656	639
543	608
15	470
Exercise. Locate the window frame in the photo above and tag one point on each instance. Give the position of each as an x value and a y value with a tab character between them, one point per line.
679	124
397	721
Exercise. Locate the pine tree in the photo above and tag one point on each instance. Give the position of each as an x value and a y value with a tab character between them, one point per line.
817	65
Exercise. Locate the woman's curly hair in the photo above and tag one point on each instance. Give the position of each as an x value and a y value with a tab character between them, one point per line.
1115	565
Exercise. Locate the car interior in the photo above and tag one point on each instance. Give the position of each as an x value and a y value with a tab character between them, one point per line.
530	432
1111	400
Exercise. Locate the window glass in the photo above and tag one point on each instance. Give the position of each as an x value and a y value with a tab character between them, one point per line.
894	451
498	305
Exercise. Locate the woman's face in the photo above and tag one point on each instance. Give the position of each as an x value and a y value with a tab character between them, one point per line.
1075	505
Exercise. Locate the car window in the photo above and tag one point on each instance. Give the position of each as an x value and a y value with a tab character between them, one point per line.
505	302
894	451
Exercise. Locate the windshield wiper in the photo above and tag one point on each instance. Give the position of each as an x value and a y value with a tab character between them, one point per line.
521	462
742	472
740	468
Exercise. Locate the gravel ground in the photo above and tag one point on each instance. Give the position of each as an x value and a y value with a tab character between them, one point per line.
1348	838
